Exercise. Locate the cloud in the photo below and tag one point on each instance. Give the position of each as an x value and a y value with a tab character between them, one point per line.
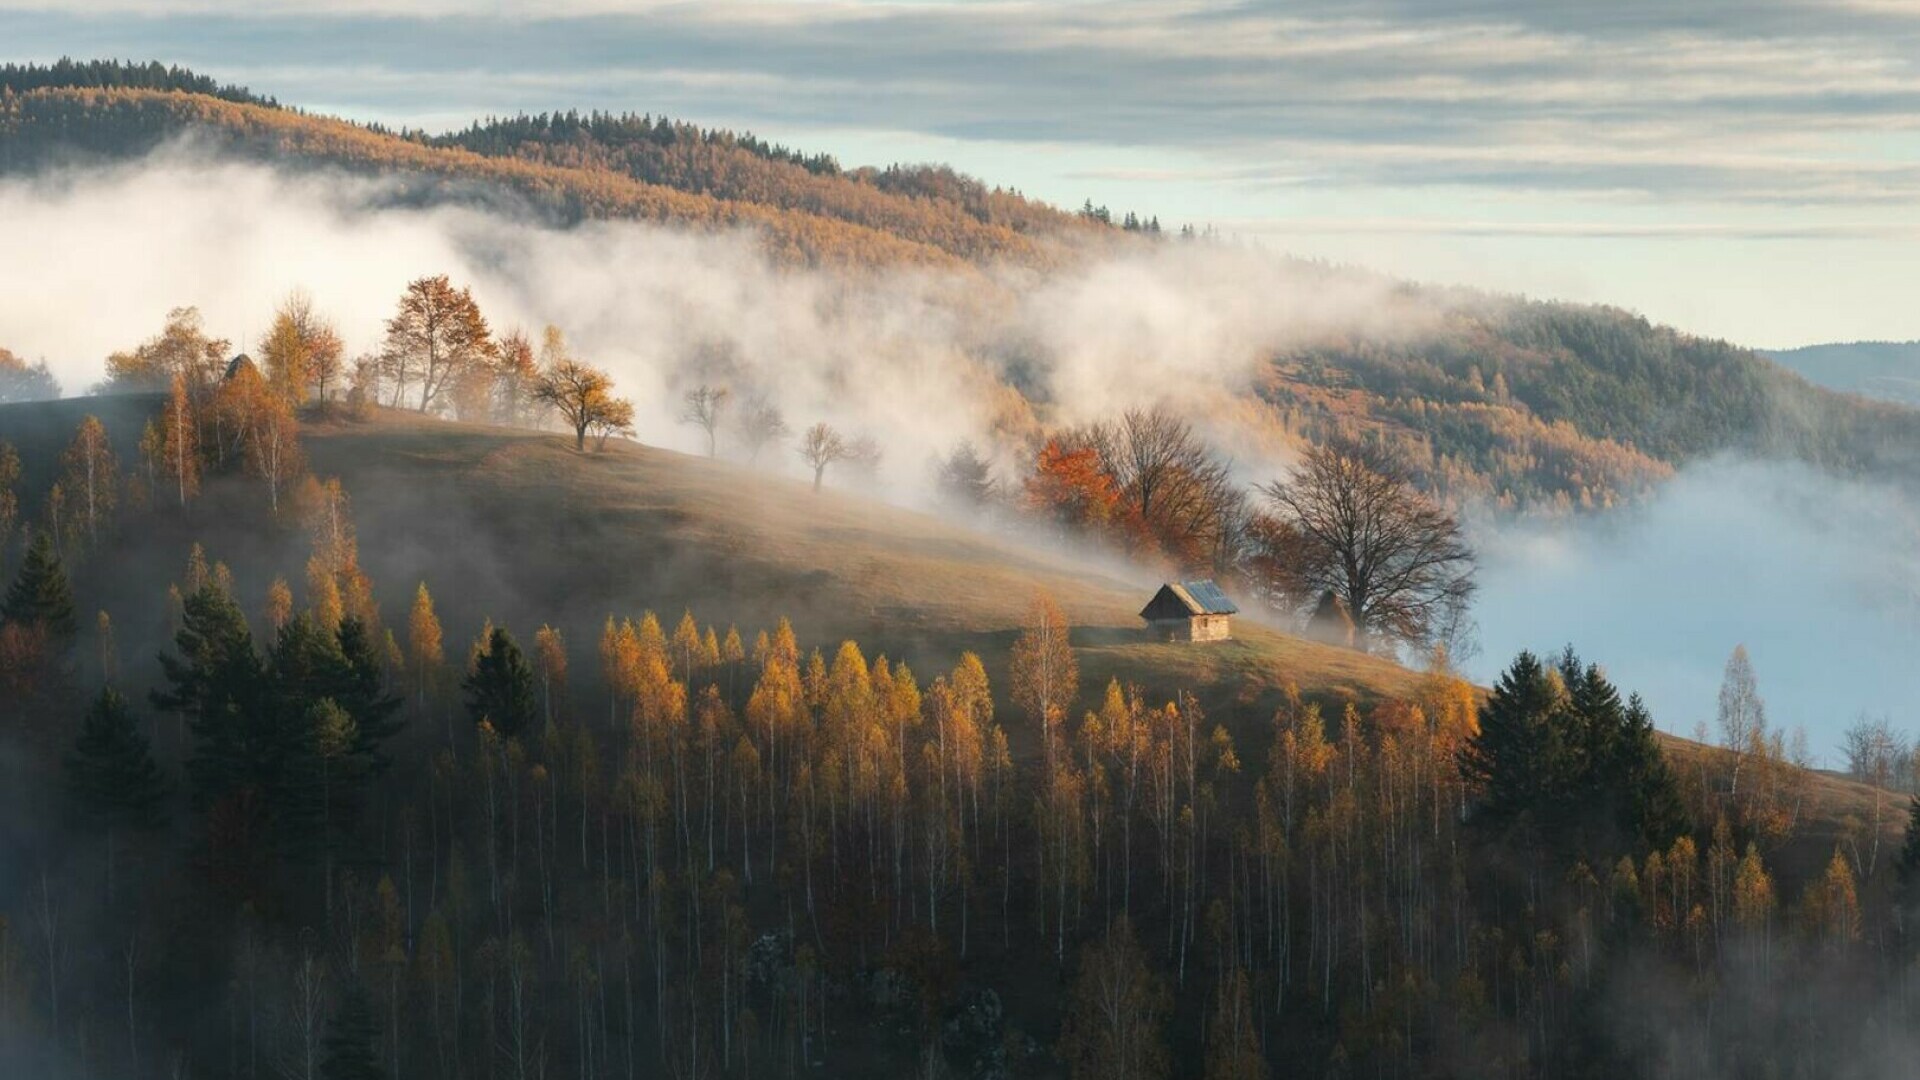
1758	101
920	360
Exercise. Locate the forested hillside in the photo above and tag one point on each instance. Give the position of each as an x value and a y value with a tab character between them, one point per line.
1524	405
419	748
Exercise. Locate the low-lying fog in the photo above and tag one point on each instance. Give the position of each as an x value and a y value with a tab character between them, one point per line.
1820	579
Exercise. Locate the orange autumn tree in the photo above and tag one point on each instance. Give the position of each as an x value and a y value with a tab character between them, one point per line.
1069	485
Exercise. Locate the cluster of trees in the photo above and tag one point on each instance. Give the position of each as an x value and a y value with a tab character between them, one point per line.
118	74
21	381
1348	528
930	205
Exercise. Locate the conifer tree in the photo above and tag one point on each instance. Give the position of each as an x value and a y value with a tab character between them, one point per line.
40	594
216	681
111	775
1516	758
500	688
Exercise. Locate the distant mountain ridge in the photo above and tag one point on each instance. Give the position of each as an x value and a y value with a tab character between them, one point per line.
1886	370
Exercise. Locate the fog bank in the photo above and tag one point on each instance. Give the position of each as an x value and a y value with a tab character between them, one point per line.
917	359
1819	577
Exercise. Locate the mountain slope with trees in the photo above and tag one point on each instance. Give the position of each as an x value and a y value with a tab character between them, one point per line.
1526	405
486	754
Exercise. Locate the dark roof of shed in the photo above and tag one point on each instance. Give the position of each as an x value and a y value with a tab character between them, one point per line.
1202	597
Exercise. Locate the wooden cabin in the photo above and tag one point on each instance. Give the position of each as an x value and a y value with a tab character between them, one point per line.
1190	611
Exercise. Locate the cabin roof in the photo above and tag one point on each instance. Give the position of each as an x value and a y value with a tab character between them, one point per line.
1202	597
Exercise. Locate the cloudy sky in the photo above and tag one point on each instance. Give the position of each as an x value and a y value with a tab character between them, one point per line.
1743	168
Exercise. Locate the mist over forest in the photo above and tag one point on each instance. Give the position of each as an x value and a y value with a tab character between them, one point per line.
594	595
925	359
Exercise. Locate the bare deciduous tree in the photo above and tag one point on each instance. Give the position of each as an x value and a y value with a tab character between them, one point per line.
761	425
1174	493
1742	714
702	407
820	447
1348	522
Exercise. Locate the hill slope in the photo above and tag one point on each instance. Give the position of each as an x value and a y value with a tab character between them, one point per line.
1521	404
515	527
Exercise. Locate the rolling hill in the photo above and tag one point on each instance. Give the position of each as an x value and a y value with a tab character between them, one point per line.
515	527
1886	370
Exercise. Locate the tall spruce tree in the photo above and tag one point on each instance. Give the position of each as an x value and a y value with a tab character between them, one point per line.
218	683
40	594
363	693
111	775
1518	757
500	689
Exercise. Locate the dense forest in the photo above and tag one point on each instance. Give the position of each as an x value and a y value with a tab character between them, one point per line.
317	830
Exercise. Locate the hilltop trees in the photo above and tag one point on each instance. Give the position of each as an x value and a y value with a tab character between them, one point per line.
21	381
1348	521
435	338
965	478
301	351
92	476
761	425
171	444
182	349
1742	713
583	396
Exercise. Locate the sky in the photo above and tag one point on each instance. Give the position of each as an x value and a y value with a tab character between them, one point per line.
1746	169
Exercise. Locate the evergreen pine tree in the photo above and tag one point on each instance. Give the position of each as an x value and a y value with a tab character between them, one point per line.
350	1050
217	682
40	594
500	689
1658	816
1517	758
111	773
363	693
